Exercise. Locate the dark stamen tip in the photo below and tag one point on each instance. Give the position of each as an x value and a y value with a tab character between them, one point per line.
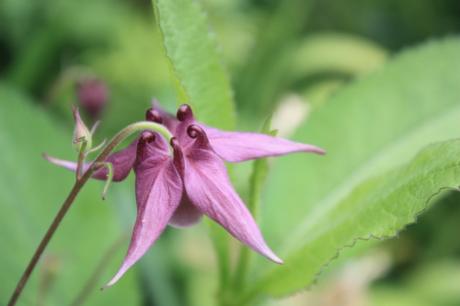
153	115
184	112
147	137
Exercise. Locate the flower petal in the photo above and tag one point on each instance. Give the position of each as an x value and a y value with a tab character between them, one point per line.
208	187
158	193
238	146
186	214
242	146
122	162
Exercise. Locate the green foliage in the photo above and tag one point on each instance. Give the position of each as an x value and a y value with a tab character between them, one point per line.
334	52
431	285
257	180
31	191
369	185
201	81
201	78
263	75
324	62
372	126
377	209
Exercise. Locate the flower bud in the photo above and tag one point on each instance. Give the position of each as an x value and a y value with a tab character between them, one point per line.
81	132
92	95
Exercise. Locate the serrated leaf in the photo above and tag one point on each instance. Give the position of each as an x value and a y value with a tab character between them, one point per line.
191	49
31	191
370	127
376	209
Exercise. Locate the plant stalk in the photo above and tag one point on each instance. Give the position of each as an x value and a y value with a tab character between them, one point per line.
79	183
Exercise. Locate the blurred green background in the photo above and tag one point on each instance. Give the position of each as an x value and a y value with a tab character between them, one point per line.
285	58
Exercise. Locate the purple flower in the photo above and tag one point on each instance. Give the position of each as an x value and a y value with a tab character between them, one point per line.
179	189
92	95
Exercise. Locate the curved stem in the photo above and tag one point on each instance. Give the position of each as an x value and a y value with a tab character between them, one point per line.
98	271
109	180
79	183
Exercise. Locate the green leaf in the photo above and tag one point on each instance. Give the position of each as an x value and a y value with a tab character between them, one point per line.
376	209
31	191
265	73
191	50
334	52
201	80
368	128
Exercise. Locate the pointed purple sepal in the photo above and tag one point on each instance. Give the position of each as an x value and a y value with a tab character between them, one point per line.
243	146
158	194
122	162
209	188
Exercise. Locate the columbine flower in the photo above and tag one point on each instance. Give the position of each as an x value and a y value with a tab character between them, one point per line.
178	188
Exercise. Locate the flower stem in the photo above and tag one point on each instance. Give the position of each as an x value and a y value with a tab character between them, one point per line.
98	271
81	159
46	239
256	182
79	183
258	177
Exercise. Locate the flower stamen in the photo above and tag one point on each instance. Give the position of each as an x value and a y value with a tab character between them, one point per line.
184	112
145	138
153	115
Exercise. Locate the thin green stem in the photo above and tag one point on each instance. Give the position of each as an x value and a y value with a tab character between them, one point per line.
109	178
81	158
98	271
256	182
259	173
96	148
79	183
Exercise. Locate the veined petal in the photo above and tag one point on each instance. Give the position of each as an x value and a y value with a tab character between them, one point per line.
122	162
208	187
238	146
242	146
158	193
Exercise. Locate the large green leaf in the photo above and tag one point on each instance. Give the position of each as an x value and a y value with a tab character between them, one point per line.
378	208
370	127
191	50
31	191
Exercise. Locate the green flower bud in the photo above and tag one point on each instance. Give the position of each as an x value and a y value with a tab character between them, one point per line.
81	133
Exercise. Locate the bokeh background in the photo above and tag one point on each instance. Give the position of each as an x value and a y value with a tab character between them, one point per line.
285	58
